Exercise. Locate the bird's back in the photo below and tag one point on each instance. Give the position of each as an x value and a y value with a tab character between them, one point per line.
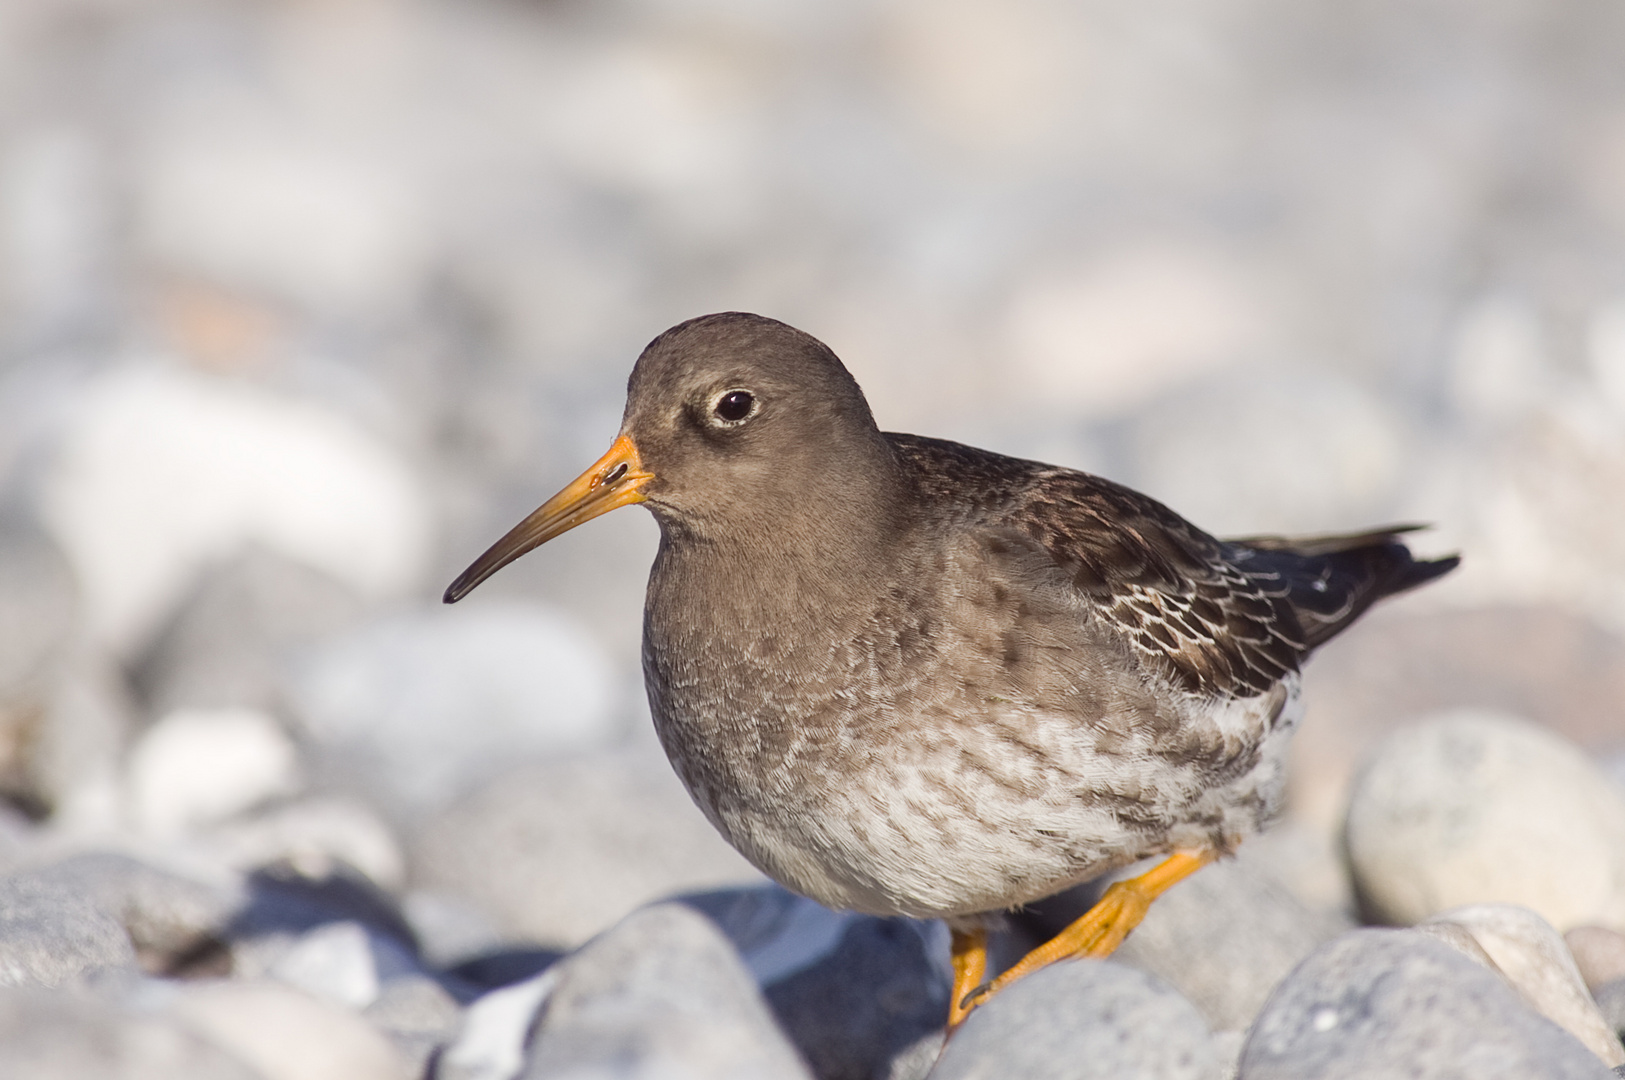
1227	618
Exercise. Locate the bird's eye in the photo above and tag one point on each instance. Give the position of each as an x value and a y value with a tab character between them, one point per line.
735	406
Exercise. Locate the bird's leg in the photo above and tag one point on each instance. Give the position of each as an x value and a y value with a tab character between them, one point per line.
1100	930
970	965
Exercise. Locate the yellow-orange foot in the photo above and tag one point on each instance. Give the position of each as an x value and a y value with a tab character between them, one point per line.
970	967
1096	933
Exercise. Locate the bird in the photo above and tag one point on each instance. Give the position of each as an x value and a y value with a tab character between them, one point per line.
906	676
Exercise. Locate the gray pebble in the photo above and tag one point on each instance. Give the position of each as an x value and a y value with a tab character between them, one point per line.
52	935
559	852
169	917
1383	1003
1525	950
1079	1020
283	905
416	1014
871	1007
226	642
1225	938
48	1036
860	997
343	962
661	994
1611	1001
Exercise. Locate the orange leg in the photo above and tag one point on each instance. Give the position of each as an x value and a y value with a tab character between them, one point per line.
1097	932
970	967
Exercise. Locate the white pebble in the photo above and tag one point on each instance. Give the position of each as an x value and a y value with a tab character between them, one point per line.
199	766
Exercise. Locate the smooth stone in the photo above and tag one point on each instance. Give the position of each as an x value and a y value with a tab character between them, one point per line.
343	962
73	757
418	1015
1610	998
557	852
58	1036
52	935
284	906
1224	938
170	916
39	605
1544	662
226	644
1081	1020
662	993
449	928
195	767
491	1041
417	709
287	1035
1377	1003
162	470
1473	807
1525	949
1599	952
777	933
317	834
860	997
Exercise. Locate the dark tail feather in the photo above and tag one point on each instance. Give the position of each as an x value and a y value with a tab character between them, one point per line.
1331	580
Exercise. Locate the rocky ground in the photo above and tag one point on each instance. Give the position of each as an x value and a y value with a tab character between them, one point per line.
303	304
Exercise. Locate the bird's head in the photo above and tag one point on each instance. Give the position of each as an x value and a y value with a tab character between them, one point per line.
731	422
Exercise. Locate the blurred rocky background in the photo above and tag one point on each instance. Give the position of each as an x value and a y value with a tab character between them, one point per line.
304	302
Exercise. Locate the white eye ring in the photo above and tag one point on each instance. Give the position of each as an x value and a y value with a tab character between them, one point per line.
733	407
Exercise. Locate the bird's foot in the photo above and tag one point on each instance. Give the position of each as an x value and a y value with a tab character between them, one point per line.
1096	933
970	967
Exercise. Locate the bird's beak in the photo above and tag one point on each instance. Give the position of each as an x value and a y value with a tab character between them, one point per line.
615	479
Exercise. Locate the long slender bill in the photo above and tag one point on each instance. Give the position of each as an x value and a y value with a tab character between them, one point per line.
616	479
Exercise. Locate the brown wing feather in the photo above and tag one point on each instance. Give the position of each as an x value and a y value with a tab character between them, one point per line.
1165	585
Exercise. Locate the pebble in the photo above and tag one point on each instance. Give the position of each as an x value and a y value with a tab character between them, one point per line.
490	1043
287	1035
1377	1003
872	1008
284	905
1224	938
1080	1020
317	835
417	709
57	1036
1472	807
162	470
1543	662
1610	998
661	993
1531	955
343	962
52	935
1598	952
38	613
418	1015
449	928
197	767
227	643
557	852
170	916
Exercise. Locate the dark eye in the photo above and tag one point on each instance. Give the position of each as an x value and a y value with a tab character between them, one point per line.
735	406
